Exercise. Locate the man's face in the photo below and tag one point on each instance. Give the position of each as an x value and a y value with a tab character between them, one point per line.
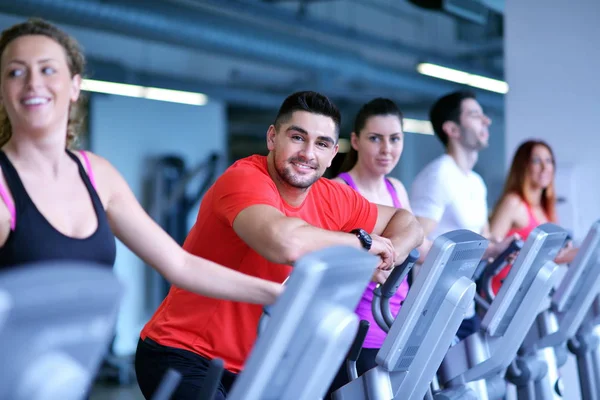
303	148
474	134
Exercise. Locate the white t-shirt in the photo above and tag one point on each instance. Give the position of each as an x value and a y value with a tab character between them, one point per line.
457	200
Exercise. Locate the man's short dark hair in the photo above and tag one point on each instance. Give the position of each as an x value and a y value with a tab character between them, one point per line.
447	108
311	102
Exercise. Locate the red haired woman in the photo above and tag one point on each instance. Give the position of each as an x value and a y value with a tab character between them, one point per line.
528	200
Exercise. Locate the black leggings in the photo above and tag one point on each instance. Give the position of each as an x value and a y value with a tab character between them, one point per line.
152	361
365	362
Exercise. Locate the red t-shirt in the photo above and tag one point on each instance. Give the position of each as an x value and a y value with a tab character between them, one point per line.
225	329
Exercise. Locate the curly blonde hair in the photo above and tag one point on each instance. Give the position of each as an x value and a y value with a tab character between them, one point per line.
75	61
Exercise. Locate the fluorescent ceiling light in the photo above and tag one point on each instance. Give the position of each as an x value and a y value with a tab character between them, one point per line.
454	75
122	89
418	126
199	99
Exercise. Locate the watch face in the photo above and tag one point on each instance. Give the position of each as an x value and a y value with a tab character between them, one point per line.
365	239
369	241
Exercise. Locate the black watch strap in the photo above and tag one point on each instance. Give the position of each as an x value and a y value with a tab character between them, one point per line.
365	239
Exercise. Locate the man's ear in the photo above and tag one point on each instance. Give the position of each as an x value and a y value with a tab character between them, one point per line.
271	133
451	129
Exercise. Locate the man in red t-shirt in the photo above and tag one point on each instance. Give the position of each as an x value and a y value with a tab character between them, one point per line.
258	218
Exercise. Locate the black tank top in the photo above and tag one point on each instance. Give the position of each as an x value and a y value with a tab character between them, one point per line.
35	239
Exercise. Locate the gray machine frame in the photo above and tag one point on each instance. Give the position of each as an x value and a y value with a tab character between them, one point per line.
426	324
585	345
541	354
310	330
474	367
56	324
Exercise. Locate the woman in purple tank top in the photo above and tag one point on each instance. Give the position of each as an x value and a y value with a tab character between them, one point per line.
377	143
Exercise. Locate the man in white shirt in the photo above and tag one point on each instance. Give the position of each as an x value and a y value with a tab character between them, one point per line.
447	194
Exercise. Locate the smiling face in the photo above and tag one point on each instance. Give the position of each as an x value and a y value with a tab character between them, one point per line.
303	148
540	170
379	144
36	84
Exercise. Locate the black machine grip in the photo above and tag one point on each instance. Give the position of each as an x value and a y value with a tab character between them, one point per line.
354	352
484	281
355	349
495	266
382	294
392	283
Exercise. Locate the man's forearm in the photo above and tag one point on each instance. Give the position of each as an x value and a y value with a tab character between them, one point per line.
405	232
302	238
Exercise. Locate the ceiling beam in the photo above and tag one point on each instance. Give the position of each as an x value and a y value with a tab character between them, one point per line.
161	22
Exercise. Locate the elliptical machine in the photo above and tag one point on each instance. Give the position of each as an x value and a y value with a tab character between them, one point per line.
474	368
426	324
310	329
535	371
380	307
585	345
304	336
56	323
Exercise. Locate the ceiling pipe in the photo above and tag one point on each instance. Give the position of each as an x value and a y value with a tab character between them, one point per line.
157	21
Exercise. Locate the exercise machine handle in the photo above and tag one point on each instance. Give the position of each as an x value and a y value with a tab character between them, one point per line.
354	353
392	283
515	245
492	269
382	294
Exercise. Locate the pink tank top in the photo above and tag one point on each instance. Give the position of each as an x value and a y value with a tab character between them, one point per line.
375	335
523	233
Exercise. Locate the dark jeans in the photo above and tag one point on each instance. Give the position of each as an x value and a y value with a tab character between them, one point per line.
365	362
152	361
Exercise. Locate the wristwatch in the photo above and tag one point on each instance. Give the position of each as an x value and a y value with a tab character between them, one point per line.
364	237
